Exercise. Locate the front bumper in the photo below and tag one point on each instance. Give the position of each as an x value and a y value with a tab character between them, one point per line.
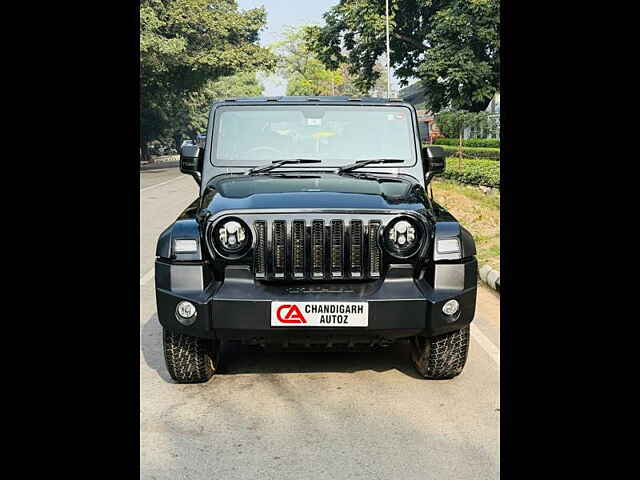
239	308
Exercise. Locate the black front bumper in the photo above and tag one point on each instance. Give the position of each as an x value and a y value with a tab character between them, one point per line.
239	308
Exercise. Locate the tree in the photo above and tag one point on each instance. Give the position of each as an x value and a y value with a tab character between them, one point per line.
452	46
193	116
185	45
305	73
454	123
379	88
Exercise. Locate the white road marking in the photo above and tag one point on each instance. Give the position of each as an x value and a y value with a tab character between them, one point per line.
486	344
160	184
146	277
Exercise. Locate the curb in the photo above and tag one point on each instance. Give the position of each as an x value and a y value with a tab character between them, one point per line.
490	277
158	165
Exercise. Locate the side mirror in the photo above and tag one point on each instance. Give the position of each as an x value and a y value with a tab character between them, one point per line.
434	159
190	160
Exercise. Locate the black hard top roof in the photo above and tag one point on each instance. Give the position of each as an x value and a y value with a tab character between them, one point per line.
299	99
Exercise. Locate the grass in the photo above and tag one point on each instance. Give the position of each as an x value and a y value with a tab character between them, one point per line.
477	212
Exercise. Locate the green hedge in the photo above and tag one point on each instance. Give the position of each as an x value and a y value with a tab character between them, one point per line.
473	152
470	142
473	171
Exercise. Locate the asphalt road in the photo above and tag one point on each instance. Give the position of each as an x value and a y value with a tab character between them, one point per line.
299	416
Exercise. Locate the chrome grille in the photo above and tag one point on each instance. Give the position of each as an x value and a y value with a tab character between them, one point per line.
317	249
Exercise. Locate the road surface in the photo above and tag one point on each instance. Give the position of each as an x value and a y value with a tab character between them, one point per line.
310	415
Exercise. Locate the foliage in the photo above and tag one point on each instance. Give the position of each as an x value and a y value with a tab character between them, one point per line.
452	46
184	46
470	142
453	123
194	119
473	171
379	88
305	73
473	152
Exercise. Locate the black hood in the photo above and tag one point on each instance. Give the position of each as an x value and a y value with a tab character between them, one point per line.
314	190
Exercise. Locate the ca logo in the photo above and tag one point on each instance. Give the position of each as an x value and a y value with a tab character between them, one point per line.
290	314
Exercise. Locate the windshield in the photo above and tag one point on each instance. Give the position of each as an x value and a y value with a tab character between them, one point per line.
247	136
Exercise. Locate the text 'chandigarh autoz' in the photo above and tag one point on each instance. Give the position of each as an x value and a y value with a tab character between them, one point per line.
313	229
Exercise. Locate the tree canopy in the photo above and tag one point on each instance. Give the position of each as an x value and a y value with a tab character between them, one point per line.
452	46
305	73
186	46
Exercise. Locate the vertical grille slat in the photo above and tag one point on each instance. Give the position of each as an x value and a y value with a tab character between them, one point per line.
337	248
356	249
320	249
278	242
260	254
298	248
317	249
374	250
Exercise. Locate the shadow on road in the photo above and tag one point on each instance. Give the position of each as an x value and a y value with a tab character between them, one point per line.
239	358
151	345
246	359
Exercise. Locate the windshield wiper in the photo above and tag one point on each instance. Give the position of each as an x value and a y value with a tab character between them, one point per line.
362	163
279	163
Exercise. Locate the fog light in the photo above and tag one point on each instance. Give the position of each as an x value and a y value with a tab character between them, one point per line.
186	313
451	307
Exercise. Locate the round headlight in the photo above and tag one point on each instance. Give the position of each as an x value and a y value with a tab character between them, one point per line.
231	237
402	238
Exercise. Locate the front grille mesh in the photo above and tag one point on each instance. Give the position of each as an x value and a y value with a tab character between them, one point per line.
356	248
317	247
298	249
317	250
279	252
374	256
337	248
260	251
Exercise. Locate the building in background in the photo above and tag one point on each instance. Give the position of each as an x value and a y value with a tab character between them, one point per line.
494	112
416	96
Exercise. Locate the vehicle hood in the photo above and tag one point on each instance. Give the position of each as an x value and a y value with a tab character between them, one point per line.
313	190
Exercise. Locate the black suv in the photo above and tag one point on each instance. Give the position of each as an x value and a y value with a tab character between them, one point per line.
313	229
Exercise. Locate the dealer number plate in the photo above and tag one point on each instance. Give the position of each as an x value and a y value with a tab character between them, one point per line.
319	314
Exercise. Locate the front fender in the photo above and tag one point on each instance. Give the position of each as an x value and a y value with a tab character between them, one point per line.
185	227
453	230
180	229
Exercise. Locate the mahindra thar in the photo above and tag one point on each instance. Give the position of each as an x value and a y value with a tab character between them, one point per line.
313	229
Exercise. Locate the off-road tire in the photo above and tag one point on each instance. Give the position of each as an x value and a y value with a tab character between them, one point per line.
443	356
190	359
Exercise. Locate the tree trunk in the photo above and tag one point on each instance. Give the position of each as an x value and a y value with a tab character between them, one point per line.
144	148
460	147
